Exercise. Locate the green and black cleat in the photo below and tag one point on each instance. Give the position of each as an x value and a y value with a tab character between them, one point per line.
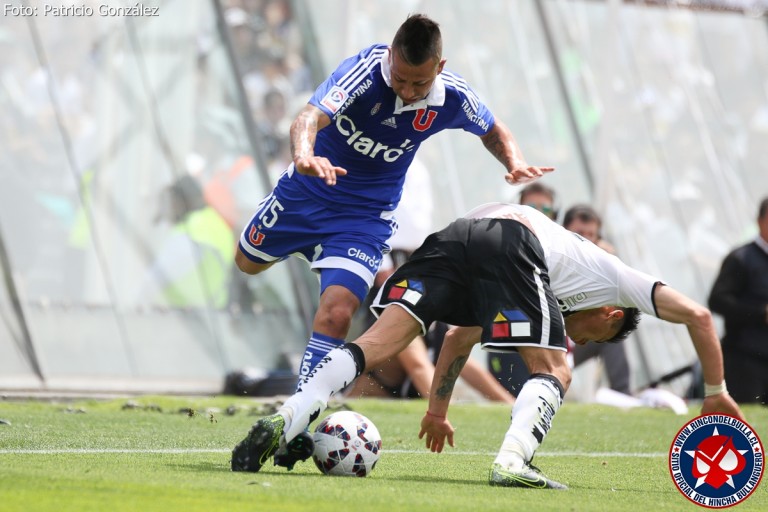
298	449
528	477
259	445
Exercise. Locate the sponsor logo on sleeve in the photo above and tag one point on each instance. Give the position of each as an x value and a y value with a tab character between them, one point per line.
334	99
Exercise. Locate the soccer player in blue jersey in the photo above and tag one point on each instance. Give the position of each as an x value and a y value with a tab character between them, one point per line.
351	147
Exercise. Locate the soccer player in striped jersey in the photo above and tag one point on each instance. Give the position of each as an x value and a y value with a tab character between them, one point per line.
351	147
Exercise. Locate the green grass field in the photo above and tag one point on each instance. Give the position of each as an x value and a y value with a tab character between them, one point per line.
172	455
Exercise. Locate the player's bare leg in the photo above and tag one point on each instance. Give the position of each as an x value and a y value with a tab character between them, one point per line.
388	336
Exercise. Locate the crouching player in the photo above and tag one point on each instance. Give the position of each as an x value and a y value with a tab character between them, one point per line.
504	273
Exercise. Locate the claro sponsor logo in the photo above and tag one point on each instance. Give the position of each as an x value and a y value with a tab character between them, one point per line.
367	146
360	255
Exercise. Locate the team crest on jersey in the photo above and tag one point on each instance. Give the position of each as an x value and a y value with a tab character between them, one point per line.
255	236
423	119
510	323
716	461
334	99
408	290
375	109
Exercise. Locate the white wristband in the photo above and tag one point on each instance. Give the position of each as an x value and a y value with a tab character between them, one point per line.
710	390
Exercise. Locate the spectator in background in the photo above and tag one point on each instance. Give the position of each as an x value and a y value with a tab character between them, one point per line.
740	295
193	265
274	124
540	196
585	221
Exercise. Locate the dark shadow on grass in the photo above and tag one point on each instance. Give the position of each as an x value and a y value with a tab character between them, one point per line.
211	467
202	467
398	478
433	480
644	491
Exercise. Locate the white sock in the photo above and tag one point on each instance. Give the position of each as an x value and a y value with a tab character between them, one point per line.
332	374
532	415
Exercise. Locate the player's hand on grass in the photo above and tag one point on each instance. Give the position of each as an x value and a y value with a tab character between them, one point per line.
436	428
319	166
526	173
722	403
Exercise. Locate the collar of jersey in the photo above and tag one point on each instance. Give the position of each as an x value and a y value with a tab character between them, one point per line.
435	97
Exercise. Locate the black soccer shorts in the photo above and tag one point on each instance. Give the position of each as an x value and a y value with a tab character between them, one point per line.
480	272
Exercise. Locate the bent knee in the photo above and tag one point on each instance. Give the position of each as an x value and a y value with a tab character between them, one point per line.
334	316
564	375
549	362
561	373
248	266
463	337
334	321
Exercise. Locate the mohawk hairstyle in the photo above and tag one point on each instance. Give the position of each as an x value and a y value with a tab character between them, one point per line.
418	39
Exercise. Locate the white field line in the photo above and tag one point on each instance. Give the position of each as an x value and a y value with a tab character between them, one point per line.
181	451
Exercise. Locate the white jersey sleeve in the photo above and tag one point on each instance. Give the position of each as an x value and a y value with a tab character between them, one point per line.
582	275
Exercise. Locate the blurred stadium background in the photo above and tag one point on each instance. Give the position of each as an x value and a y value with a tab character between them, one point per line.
656	112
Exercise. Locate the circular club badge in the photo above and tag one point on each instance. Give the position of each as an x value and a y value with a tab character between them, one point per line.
716	460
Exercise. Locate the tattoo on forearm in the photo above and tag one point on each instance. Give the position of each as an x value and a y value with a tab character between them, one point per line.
448	381
303	133
502	148
495	145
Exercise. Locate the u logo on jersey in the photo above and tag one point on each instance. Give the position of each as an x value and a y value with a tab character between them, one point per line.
255	236
423	119
716	461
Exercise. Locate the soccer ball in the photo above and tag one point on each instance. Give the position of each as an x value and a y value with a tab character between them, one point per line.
346	444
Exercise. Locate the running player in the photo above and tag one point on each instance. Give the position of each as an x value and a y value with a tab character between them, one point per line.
497	273
351	147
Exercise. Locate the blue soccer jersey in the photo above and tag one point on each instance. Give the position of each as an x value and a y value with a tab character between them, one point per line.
342	230
374	136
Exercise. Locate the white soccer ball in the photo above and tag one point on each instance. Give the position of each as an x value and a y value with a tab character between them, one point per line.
346	444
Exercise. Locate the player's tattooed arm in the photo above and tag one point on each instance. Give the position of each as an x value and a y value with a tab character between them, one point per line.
303	135
448	381
457	345
304	131
500	142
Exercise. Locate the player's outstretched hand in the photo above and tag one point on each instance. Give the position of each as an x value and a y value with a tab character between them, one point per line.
319	166
436	430
526	174
722	403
